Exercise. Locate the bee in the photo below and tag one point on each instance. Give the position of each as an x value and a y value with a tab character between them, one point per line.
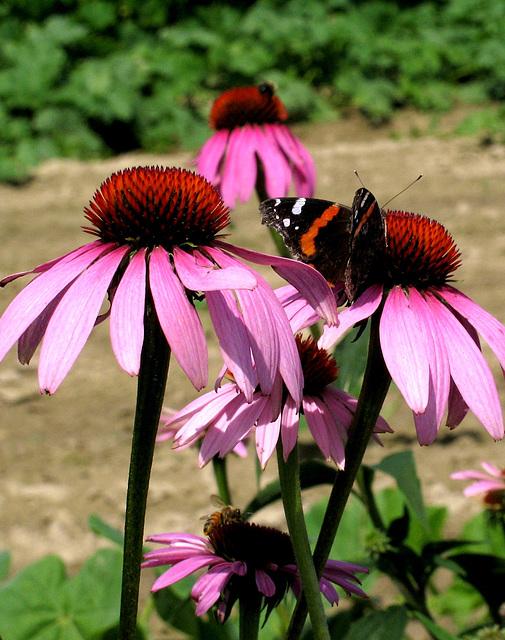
225	515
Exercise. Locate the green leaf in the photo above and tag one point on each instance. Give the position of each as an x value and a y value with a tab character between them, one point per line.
401	466
5	563
436	631
380	625
102	528
41	603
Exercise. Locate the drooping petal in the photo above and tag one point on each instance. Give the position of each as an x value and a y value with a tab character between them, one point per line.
202	411
289	425
198	274
309	282
363	307
267	434
428	422
317	425
34	298
211	155
234	339
275	166
183	569
300	314
406	352
487	325
304	172
469	370
239	171
178	318
458	408
74	318
264	582
127	315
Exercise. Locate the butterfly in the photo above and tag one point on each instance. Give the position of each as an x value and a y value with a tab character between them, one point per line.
344	244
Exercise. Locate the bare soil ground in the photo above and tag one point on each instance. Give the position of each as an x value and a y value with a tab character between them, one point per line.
66	456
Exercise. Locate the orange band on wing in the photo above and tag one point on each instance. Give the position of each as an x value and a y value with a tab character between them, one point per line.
307	241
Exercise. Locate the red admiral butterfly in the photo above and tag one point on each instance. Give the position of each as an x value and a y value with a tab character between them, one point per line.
342	243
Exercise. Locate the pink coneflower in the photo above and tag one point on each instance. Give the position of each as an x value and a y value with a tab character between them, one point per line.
252	142
224	417
247	562
491	484
157	251
428	329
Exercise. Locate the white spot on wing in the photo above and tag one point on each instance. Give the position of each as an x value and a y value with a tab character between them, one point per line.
298	206
277	202
286	222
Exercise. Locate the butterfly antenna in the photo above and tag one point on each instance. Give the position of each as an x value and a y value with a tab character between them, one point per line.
359	178
405	189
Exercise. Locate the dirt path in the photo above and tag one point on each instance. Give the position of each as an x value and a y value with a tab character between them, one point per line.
66	456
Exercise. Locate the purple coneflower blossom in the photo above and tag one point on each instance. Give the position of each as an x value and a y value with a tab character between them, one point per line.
246	561
429	330
252	142
224	416
491	484
157	249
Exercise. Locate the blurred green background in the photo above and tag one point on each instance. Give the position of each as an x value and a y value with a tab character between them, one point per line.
88	79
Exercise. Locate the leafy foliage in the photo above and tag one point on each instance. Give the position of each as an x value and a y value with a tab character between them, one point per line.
93	78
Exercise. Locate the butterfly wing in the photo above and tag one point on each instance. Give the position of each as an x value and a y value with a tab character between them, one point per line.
315	231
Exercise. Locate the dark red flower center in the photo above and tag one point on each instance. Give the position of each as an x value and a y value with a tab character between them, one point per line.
247	105
149	206
260	548
319	368
420	252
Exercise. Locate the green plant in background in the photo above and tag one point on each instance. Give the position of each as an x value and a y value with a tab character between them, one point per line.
89	79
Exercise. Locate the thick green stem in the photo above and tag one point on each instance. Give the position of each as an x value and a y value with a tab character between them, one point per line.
150	391
221	476
249	623
373	393
289	478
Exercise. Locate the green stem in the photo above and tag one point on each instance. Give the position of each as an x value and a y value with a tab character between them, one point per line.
373	393
221	476
150	391
249	622
289	478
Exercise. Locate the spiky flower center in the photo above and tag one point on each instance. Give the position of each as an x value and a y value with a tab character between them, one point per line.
420	252
319	368
247	105
261	549
149	206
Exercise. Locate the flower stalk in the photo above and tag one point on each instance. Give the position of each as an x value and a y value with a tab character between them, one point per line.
150	392
249	620
373	393
289	478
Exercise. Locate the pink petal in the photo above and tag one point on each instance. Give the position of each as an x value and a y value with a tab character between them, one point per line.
183	569
488	326
179	538
428	423
210	157
199	274
304	172
304	278
34	298
457	407
178	318
317	425
264	582
127	315
74	318
289	425
300	314
275	166
267	434
364	307
239	171
406	352
492	470
203	411
483	487
469	370
234	339
45	266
